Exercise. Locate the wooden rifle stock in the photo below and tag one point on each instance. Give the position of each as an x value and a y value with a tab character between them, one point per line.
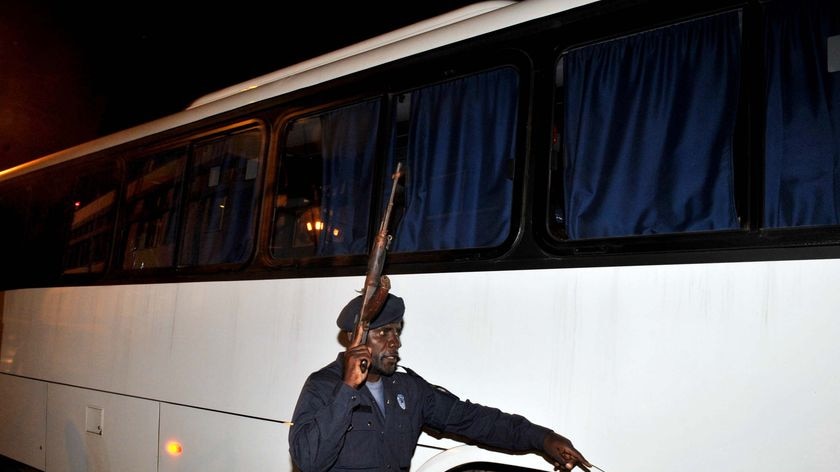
377	285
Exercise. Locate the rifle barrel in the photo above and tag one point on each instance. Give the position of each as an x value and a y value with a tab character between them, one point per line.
376	264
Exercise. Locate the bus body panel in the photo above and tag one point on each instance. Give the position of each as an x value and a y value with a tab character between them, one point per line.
183	343
99	431
736	357
220	442
23	416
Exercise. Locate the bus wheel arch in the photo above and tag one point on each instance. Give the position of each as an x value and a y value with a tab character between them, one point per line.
467	458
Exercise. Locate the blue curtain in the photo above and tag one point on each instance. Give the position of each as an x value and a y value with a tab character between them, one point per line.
221	219
648	131
348	137
802	148
461	147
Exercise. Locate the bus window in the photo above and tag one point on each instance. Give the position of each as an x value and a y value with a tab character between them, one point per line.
35	221
647	126
458	140
222	196
152	198
323	192
802	137
15	208
93	201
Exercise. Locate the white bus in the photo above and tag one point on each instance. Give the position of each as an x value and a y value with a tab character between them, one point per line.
621	220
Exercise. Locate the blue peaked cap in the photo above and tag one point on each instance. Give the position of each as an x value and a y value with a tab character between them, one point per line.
392	311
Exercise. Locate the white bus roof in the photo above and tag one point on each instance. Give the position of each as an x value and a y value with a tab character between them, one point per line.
358	48
464	23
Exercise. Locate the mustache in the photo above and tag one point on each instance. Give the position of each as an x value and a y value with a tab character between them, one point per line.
386	355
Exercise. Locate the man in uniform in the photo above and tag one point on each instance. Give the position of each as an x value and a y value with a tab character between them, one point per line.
347	418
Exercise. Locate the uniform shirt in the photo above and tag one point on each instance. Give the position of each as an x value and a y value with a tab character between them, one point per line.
336	427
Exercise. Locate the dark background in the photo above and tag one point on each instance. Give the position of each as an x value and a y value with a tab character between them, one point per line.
71	71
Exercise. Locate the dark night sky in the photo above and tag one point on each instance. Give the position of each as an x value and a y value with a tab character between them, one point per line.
70	71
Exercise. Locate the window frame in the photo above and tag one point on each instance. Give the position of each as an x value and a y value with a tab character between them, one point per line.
400	78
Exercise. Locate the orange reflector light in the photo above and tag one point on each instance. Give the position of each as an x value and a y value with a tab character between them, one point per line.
174	448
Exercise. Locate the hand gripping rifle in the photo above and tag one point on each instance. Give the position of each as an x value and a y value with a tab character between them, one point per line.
377	284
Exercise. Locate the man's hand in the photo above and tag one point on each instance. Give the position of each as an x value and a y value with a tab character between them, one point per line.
353	357
563	455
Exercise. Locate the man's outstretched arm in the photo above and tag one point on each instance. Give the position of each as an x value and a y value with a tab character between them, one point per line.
495	428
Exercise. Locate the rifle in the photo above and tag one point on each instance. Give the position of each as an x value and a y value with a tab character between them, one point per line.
377	284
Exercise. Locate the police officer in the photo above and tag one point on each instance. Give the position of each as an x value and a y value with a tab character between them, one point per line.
349	419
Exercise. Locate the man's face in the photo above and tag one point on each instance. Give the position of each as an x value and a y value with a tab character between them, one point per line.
384	343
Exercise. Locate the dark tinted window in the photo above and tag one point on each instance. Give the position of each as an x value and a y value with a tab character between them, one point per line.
222	196
152	209
323	193
93	199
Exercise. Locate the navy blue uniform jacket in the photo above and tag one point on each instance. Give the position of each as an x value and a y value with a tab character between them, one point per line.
336	427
